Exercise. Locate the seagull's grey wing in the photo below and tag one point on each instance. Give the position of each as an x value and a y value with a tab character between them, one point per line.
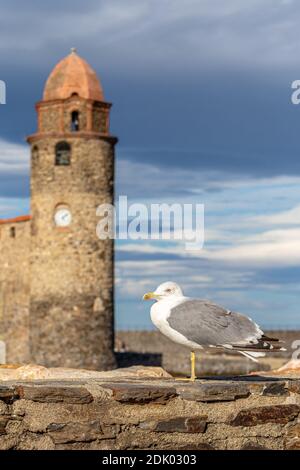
206	324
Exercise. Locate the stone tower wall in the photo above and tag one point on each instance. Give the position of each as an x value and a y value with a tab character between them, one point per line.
55	116
56	284
71	298
14	290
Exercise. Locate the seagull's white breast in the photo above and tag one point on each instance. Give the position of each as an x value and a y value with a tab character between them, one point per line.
160	312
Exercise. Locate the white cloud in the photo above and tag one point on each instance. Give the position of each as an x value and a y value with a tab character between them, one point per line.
283	253
146	275
14	158
153	182
289	217
279	248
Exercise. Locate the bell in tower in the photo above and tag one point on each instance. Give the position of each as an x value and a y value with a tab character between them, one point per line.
71	270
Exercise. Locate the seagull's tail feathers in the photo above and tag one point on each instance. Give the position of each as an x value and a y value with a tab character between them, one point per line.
263	344
253	355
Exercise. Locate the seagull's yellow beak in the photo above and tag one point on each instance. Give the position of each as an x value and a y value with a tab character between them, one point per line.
149	296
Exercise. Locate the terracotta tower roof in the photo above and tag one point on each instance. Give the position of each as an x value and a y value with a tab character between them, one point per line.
73	75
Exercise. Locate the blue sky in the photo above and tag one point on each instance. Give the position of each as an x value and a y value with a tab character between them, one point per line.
202	106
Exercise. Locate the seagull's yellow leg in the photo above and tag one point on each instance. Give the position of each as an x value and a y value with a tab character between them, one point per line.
193	366
193	377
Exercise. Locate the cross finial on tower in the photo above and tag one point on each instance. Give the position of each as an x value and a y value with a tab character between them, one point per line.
73	50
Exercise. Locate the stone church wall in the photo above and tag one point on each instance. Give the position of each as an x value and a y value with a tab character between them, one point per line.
14	289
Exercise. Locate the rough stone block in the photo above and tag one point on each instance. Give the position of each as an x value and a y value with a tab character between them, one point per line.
294	386
135	393
209	392
55	394
3	423
191	424
265	414
8	442
7	393
275	389
79	432
292	441
3	408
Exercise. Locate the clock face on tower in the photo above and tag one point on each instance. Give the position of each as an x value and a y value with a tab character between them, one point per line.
62	217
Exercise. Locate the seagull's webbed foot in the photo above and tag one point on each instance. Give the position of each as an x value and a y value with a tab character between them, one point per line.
185	379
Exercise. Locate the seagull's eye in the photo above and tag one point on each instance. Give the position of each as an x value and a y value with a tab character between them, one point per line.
168	290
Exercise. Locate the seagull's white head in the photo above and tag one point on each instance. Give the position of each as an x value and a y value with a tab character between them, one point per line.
166	289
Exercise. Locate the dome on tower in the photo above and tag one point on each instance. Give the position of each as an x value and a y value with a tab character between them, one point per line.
73	75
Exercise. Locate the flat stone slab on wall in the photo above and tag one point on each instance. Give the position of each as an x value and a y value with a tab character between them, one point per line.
144	409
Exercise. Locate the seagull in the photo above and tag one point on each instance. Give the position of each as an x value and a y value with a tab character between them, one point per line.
200	323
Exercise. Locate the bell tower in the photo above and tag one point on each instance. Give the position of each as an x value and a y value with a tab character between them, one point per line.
71	270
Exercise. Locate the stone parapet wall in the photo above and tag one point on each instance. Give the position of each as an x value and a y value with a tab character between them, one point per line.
150	413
